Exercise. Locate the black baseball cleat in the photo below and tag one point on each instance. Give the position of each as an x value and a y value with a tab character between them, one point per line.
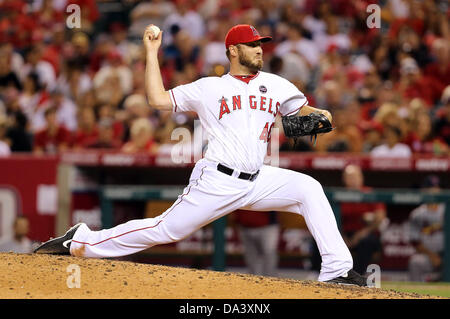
59	245
352	279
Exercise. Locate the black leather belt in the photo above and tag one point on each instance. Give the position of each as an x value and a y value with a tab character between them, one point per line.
229	171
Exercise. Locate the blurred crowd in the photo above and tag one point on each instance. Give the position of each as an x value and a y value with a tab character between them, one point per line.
76	88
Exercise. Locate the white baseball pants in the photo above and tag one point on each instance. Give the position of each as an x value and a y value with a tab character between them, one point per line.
212	194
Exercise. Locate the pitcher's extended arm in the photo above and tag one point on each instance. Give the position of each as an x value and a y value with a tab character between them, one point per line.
157	95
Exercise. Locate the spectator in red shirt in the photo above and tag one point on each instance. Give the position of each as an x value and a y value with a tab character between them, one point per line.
107	112
439	69
54	138
48	15
87	131
99	54
361	222
79	52
421	138
142	140
413	84
105	138
414	20
16	26
52	52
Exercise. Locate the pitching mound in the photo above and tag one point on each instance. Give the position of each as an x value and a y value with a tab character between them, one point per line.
44	276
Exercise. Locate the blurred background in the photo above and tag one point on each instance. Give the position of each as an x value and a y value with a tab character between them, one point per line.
78	141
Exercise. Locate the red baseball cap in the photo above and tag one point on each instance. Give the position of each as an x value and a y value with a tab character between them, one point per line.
243	33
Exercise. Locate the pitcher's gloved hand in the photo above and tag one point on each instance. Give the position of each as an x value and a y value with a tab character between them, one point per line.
311	124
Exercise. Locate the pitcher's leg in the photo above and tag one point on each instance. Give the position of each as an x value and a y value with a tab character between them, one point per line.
285	190
204	200
336	257
121	240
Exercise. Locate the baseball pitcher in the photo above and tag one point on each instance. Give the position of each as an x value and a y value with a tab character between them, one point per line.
237	111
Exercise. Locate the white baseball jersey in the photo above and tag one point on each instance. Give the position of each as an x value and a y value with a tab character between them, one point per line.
238	117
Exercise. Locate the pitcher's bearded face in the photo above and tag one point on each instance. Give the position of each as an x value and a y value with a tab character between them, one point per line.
250	55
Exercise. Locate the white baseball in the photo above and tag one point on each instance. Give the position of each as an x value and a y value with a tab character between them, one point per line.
155	30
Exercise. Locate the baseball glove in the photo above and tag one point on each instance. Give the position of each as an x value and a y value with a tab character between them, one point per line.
311	124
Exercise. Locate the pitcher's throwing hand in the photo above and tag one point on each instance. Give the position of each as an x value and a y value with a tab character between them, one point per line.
151	42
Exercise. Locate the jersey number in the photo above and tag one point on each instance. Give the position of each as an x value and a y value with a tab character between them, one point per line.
265	134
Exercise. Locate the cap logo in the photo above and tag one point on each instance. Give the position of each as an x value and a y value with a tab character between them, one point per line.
255	32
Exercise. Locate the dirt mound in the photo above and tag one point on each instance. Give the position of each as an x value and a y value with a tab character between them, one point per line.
45	276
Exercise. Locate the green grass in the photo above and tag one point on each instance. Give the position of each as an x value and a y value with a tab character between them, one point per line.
441	289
